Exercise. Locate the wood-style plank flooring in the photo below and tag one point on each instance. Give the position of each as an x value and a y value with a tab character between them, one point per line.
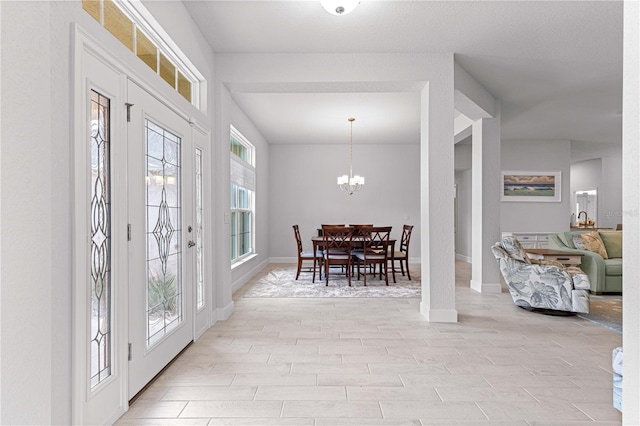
322	362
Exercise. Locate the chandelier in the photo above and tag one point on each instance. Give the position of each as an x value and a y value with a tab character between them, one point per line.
351	183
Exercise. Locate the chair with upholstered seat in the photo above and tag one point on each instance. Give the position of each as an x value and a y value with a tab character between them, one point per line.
402	255
337	249
546	286
357	233
306	255
374	252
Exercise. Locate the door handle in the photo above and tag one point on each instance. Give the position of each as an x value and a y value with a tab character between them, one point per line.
191	244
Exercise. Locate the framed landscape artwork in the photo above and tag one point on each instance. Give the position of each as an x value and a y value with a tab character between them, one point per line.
531	186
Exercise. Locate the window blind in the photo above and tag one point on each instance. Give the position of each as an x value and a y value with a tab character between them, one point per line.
242	173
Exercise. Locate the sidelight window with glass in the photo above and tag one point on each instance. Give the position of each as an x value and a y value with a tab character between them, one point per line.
100	257
242	196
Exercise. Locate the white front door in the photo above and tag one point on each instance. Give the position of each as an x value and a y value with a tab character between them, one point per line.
161	248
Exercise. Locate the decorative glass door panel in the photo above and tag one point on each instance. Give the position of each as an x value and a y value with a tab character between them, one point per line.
199	232
100	257
164	278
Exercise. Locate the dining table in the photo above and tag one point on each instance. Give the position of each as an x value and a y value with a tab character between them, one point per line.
356	241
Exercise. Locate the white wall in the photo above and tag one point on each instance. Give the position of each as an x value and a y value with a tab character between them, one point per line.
605	174
304	191
463	180
242	272
463	222
537	156
582	151
631	205
586	175
610	197
29	276
463	156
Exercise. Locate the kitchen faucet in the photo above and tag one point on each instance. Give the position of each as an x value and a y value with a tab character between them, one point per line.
585	217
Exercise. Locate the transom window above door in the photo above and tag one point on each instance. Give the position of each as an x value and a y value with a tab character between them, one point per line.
139	32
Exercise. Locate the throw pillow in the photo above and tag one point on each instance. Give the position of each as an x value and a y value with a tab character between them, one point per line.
612	243
590	241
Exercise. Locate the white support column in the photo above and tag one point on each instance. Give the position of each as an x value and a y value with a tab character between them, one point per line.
631	213
223	293
485	202
437	198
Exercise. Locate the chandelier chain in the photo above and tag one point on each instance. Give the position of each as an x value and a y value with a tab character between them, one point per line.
351	149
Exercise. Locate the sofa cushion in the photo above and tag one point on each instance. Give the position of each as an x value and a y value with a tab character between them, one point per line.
590	241
567	239
612	242
613	266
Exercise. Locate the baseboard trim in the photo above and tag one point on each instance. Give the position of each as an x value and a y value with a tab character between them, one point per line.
248	275
199	333
438	315
293	260
225	312
463	258
487	288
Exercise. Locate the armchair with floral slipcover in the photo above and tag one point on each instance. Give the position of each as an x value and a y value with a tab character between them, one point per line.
545	286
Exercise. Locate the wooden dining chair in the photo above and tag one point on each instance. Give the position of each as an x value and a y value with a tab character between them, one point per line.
402	255
327	224
375	251
306	255
337	249
357	233
357	228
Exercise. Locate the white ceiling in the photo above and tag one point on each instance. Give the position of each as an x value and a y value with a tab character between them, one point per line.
556	66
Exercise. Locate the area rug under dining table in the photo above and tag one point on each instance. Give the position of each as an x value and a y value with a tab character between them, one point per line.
280	282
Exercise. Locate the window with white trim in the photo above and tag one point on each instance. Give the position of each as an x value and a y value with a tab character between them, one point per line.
131	23
242	201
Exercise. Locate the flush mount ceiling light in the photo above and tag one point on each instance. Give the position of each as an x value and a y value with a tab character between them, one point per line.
350	183
339	7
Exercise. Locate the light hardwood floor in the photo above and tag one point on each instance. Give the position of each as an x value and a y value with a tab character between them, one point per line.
379	362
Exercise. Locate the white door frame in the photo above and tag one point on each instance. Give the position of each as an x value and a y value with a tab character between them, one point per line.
84	408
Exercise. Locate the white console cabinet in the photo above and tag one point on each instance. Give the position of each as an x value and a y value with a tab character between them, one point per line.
531	239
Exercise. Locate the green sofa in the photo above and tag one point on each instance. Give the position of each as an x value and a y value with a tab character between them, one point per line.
605	274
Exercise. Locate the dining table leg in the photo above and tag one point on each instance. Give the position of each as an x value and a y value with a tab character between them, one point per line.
393	263
315	260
